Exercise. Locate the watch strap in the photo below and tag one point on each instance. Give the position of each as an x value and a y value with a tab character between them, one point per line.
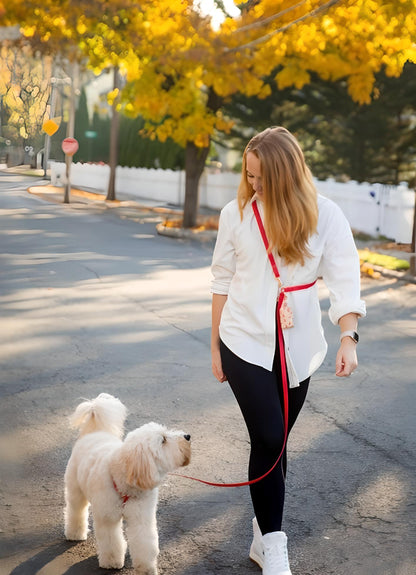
350	333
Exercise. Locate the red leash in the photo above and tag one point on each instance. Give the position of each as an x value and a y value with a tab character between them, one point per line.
124	498
285	414
282	360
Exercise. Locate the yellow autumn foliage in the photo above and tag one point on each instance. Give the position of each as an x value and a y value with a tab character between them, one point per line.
179	70
24	90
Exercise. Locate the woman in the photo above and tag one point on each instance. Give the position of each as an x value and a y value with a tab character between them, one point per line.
307	237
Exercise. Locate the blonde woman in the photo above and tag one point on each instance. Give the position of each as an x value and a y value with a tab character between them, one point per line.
273	242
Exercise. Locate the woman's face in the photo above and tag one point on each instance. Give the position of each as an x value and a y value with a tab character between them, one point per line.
253	172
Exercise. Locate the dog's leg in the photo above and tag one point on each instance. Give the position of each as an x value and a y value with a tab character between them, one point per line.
111	545
144	548
76	513
142	534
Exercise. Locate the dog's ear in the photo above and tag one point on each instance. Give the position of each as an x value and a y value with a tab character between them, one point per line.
141	469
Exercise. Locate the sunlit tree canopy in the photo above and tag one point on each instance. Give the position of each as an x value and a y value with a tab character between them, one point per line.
179	69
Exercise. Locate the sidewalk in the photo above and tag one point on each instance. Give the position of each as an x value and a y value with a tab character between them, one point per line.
167	217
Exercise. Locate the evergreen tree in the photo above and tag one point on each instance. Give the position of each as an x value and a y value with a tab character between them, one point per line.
56	152
82	127
100	148
340	138
136	150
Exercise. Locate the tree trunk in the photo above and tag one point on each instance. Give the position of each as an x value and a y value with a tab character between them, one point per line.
194	166
115	121
413	254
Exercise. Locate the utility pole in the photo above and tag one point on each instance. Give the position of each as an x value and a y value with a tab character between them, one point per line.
71	127
52	107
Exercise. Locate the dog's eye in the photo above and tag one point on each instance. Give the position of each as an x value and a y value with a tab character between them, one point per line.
164	439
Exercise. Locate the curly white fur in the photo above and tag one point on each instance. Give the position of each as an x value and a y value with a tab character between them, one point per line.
119	479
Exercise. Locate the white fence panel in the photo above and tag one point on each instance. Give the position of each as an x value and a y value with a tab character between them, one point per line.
217	189
396	218
359	202
166	186
370	208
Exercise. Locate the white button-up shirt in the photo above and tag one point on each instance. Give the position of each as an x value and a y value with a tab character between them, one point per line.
243	272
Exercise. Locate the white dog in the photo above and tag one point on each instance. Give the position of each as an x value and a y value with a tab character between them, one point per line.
119	479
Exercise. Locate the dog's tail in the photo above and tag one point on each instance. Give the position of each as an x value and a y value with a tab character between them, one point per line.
104	413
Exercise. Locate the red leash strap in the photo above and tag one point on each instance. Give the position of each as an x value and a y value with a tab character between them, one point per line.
265	240
281	344
279	325
286	413
285	410
271	257
124	498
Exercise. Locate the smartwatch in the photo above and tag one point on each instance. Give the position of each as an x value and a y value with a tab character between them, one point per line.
352	334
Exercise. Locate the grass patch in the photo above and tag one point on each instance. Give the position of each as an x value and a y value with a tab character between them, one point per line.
382	260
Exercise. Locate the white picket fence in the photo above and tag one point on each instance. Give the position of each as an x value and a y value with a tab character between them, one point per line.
374	209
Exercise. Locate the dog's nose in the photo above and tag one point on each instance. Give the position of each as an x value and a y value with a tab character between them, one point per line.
187	437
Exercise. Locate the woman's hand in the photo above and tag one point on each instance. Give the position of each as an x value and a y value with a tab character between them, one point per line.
218	302
346	360
217	365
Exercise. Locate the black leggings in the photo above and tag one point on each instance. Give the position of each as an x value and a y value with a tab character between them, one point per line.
259	395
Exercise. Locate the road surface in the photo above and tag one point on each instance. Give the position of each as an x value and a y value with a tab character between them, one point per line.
92	302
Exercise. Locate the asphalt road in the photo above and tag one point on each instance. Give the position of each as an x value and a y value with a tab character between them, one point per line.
92	302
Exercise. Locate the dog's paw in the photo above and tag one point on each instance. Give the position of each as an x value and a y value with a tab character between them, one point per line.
76	535
111	564
145	569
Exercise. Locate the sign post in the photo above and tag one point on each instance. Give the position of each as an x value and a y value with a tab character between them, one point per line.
50	127
70	147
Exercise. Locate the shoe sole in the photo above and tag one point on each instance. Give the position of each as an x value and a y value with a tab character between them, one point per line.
256	558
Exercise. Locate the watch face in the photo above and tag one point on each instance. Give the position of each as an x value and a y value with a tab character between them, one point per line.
352	334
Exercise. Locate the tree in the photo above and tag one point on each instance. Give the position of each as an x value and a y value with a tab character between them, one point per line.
101	125
181	86
136	150
82	127
180	71
24	90
54	29
340	138
114	128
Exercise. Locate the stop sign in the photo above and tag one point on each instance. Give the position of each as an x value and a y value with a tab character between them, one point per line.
70	146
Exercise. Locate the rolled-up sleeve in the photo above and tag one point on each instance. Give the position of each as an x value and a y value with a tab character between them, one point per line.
340	269
224	257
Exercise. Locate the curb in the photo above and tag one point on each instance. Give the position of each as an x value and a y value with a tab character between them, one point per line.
55	194
185	233
392	274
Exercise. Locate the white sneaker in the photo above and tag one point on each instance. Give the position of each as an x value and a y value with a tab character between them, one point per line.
256	549
276	561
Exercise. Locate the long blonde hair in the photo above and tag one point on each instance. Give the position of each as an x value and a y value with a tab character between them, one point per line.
289	194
